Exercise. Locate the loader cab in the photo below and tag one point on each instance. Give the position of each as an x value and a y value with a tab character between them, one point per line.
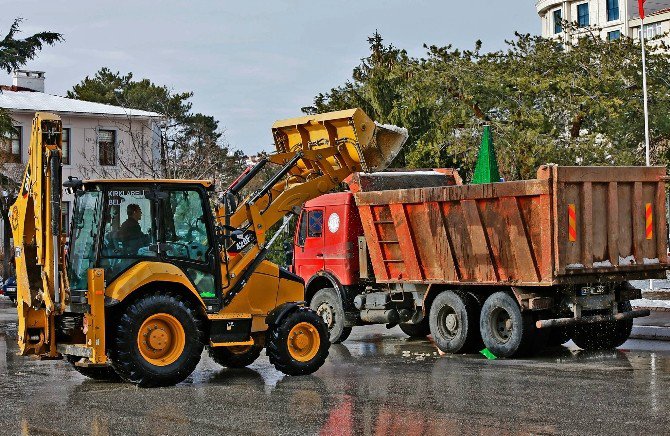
118	224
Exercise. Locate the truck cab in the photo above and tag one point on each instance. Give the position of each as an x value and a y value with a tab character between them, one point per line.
326	243
325	255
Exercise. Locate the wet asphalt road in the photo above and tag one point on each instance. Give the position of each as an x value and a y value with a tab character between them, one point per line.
378	382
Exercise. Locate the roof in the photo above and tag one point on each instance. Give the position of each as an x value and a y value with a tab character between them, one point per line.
204	183
334	199
18	99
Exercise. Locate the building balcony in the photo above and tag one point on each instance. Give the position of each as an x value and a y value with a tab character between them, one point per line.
543	6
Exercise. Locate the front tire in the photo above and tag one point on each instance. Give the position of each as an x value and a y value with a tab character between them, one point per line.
235	357
454	318
327	304
99	373
298	344
158	340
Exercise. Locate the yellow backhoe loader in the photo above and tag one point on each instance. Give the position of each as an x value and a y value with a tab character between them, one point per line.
153	273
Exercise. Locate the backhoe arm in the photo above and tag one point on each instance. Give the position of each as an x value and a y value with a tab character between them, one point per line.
35	219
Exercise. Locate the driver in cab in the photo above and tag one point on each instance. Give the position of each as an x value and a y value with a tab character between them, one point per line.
130	232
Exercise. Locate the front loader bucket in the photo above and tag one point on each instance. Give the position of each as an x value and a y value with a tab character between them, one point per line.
366	144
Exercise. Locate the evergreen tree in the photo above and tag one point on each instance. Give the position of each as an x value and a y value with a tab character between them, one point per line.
14	53
576	103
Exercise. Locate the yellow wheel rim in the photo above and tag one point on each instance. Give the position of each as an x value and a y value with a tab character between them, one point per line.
303	342
161	339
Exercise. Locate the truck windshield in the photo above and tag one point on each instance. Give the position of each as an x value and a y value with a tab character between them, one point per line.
85	224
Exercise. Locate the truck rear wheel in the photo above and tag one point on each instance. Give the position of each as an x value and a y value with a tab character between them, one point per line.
505	330
604	335
158	341
327	304
298	344
235	357
453	320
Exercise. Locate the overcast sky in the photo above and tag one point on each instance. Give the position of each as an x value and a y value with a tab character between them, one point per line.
249	63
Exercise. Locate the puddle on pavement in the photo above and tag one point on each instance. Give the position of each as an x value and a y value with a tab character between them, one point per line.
377	383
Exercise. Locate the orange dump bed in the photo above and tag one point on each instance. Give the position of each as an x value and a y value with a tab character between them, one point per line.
570	225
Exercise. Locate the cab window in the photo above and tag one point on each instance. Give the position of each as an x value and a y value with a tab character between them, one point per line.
85	222
129	230
302	231
314	223
185	228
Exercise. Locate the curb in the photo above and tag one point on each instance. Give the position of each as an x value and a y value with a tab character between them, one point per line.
650	332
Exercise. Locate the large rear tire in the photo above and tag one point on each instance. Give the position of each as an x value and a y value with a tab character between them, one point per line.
454	319
419	330
158	340
505	330
604	335
99	373
298	344
235	357
557	336
327	304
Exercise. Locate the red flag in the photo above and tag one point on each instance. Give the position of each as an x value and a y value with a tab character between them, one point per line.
640	6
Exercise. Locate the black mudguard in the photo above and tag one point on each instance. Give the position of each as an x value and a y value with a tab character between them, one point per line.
282	311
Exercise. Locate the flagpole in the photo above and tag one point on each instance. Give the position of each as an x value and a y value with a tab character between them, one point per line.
644	91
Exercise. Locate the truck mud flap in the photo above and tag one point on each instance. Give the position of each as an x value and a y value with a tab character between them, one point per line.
562	322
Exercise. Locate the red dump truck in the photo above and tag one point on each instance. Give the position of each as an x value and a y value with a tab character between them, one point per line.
515	265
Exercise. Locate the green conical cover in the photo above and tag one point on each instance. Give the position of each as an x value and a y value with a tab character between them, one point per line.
486	170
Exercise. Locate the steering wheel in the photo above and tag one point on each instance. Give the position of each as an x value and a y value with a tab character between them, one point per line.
193	227
181	244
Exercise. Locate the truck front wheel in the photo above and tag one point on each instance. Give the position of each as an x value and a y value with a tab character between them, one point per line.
505	330
298	344
327	304
158	340
453	322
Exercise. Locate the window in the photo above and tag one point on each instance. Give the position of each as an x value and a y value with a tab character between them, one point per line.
184	226
613	35
558	21
66	146
128	231
583	15
612	10
82	240
12	146
651	31
302	232
65	216
107	147
314	224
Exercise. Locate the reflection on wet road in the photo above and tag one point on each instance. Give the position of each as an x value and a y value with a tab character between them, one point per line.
378	383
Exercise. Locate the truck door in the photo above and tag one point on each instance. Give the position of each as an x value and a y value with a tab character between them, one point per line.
308	252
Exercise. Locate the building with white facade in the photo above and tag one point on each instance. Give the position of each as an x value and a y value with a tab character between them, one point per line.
614	18
99	140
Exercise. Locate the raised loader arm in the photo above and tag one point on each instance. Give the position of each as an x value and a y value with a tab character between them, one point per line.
35	219
316	154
